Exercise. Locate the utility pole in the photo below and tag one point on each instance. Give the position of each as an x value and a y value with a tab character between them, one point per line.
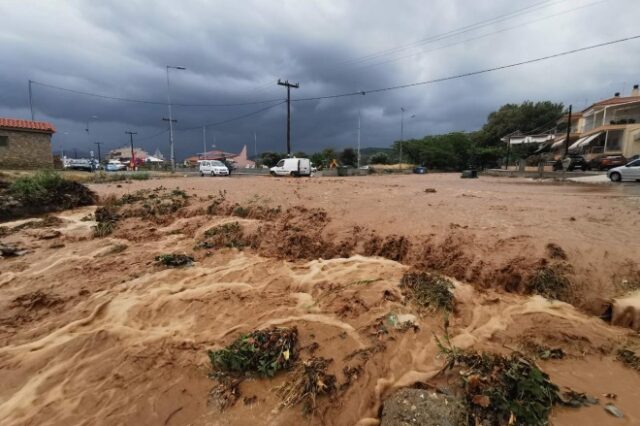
255	147
402	110
288	86
31	101
359	125
204	142
173	157
133	157
171	121
99	154
566	141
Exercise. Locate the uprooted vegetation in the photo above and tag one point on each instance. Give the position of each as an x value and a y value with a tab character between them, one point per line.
629	358
228	235
308	381
40	193
261	352
551	282
429	290
174	260
502	390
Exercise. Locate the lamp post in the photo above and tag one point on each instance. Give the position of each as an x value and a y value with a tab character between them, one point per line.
173	157
359	125
86	129
402	111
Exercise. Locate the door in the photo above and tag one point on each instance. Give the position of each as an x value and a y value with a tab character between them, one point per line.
633	169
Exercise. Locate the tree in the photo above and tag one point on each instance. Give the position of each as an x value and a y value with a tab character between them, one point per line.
452	151
270	159
379	158
526	117
349	157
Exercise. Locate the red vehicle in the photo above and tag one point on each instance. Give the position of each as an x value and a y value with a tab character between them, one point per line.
607	162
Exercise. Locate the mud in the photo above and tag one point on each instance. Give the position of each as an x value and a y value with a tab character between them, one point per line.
94	332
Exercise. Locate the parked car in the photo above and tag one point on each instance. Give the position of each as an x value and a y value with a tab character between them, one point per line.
115	165
213	168
292	167
630	171
577	162
78	164
607	162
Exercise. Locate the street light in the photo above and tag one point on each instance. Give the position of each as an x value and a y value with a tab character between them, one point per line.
173	158
402	111
359	125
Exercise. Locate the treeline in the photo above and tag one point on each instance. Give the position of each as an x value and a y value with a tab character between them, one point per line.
452	151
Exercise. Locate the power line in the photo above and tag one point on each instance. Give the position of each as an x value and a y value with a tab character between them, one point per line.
485	35
458	31
219	123
469	74
142	101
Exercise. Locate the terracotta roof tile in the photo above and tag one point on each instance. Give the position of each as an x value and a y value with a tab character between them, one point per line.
615	101
16	124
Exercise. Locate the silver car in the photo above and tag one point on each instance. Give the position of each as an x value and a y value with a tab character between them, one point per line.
630	171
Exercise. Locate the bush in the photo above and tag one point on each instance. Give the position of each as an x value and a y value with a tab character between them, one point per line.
379	158
429	290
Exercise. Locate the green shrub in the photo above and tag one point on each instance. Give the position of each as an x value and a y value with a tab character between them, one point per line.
429	290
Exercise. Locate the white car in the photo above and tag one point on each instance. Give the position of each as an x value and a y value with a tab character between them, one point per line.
292	167
115	165
213	168
630	171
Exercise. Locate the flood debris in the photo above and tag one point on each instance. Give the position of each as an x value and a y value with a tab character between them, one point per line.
550	281
308	381
261	352
36	300
556	252
11	250
226	392
228	235
174	260
543	352
613	410
429	290
629	358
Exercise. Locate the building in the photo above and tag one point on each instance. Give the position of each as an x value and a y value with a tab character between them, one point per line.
124	154
239	160
608	127
25	144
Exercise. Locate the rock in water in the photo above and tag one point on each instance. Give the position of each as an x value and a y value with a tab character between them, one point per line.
422	407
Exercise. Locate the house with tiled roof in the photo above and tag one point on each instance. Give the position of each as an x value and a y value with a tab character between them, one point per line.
25	144
606	128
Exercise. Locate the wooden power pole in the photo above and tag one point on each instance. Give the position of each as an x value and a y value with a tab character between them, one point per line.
288	86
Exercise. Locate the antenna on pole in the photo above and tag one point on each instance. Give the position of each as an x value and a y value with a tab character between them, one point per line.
31	101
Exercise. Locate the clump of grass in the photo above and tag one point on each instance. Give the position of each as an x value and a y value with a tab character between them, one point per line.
226	235
174	260
49	191
106	217
103	229
551	282
217	202
241	211
429	290
629	358
262	353
139	176
307	382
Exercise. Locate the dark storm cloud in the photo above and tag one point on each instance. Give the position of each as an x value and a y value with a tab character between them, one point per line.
236	51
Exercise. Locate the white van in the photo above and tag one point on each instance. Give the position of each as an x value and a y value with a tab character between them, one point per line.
213	168
292	167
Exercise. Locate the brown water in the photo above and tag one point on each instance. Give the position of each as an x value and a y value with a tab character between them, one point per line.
107	337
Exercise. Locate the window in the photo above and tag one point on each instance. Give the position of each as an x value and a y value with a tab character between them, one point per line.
614	140
216	163
280	163
4	140
634	164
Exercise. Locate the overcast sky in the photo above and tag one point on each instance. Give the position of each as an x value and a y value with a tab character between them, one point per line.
235	51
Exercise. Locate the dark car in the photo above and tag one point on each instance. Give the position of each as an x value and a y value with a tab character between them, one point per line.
577	163
607	162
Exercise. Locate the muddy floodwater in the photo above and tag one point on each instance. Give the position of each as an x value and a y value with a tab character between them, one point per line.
94	331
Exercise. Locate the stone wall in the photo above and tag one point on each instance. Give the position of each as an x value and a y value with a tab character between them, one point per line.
25	150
